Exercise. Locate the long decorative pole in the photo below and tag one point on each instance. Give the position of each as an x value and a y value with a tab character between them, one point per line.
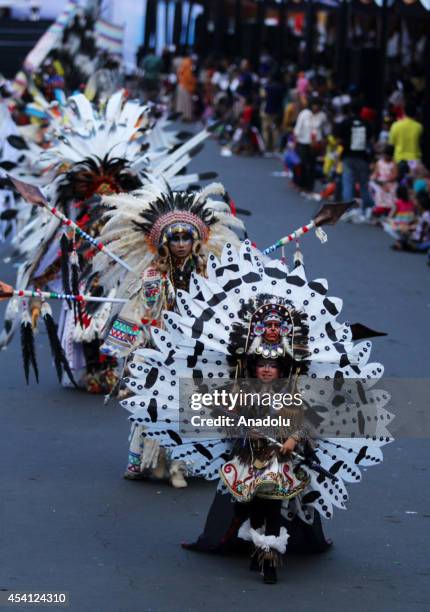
7	292
32	194
328	214
293	236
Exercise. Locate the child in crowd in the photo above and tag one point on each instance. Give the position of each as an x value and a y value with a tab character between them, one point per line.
332	169
421	179
247	138
383	183
418	239
402	216
292	109
302	85
292	162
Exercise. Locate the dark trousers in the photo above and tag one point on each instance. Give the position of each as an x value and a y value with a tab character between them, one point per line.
356	170
307	157
403	170
263	511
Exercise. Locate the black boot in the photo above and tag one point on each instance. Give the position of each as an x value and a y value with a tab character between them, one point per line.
269	573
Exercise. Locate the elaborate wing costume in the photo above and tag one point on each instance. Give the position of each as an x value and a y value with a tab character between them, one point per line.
112	150
201	341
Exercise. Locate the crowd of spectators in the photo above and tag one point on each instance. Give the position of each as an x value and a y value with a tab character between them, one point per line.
332	144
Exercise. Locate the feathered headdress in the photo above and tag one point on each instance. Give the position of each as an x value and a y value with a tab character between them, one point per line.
136	222
248	341
114	147
97	176
84	131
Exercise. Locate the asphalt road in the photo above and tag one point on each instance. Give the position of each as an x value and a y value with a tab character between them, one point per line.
70	522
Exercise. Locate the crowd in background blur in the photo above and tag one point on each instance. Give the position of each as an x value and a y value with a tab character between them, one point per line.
332	145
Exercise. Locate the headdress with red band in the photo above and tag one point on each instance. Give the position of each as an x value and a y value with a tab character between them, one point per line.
177	216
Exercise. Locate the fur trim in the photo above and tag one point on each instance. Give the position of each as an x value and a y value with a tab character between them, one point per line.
264	542
178	467
244	532
58	355
267	543
96	175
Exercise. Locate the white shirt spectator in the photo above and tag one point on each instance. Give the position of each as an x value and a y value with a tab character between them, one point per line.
310	127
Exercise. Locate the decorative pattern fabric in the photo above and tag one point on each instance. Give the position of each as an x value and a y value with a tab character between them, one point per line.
277	480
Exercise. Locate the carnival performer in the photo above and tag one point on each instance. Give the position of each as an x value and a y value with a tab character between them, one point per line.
166	237
253	317
9	213
261	472
94	152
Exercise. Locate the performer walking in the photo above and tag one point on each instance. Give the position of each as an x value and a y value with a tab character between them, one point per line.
262	472
98	152
254	317
166	236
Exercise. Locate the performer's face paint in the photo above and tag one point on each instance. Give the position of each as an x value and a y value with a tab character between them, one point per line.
272	332
267	370
180	245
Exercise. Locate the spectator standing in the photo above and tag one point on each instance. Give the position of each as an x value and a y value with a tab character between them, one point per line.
309	133
272	109
245	86
152	69
166	58
405	136
291	112
355	136
186	88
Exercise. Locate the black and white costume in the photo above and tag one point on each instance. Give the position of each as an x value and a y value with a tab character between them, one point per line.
197	343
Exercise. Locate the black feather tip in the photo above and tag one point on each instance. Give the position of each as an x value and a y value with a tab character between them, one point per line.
58	355
28	350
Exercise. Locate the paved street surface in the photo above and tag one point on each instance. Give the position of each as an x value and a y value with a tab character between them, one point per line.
70	522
